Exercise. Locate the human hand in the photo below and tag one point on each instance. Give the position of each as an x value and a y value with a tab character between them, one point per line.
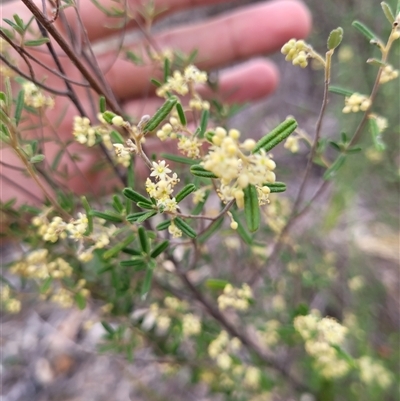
237	36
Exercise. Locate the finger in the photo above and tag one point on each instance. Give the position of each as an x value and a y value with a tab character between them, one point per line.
98	24
240	35
246	82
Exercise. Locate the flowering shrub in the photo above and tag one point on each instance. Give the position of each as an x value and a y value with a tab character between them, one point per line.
143	256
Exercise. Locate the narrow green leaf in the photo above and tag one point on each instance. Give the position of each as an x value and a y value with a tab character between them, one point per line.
19	106
37	159
133	57
164	225
131	251
57	159
332	170
335	146
363	29
276	186
376	62
107	327
167	69
185	228
145	205
19	21
178	159
3	97
216	284
118	248
13	25
46	285
144	241
136	261
89	216
277	135
200	171
146	216
135	196
241	230
36	42
107	215
161	114
355	149
335	38
102	104
184	192
155	82
340	91
388	12
343	137
211	230
159	249
80	301
209	135
251	208
181	114
146	283
108	116
376	135
116	137
205	114
117	204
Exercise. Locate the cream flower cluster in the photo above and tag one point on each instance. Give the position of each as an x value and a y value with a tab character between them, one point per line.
372	372
65	297
388	73
180	83
296	51
35	98
292	143
320	336
355	103
269	333
37	265
161	190
237	298
124	152
161	317
220	349
10	304
232	162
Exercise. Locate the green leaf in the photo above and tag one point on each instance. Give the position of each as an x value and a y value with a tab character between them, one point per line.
135	196
131	251
167	69
160	114
388	12
376	135
241	230
203	122
185	228
89	216
147	282
36	42
216	284
107	215
376	62
200	171
332	170
335	146
107	327
46	285
340	91
178	159
3	97
159	249
335	38
276	186
19	21
146	216
133	217
155	82
277	135
13	25
164	225
354	149
144	241
108	116
118	248
19	106
251	208
102	104
137	261
184	192
80	301
37	158
134	57
181	114
363	29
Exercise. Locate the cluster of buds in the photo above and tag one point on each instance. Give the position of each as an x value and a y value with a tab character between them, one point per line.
236	167
124	152
388	73
35	98
220	348
65	297
297	51
292	143
181	83
83	132
356	102
237	298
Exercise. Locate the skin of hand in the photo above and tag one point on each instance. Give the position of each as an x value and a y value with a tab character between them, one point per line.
241	35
